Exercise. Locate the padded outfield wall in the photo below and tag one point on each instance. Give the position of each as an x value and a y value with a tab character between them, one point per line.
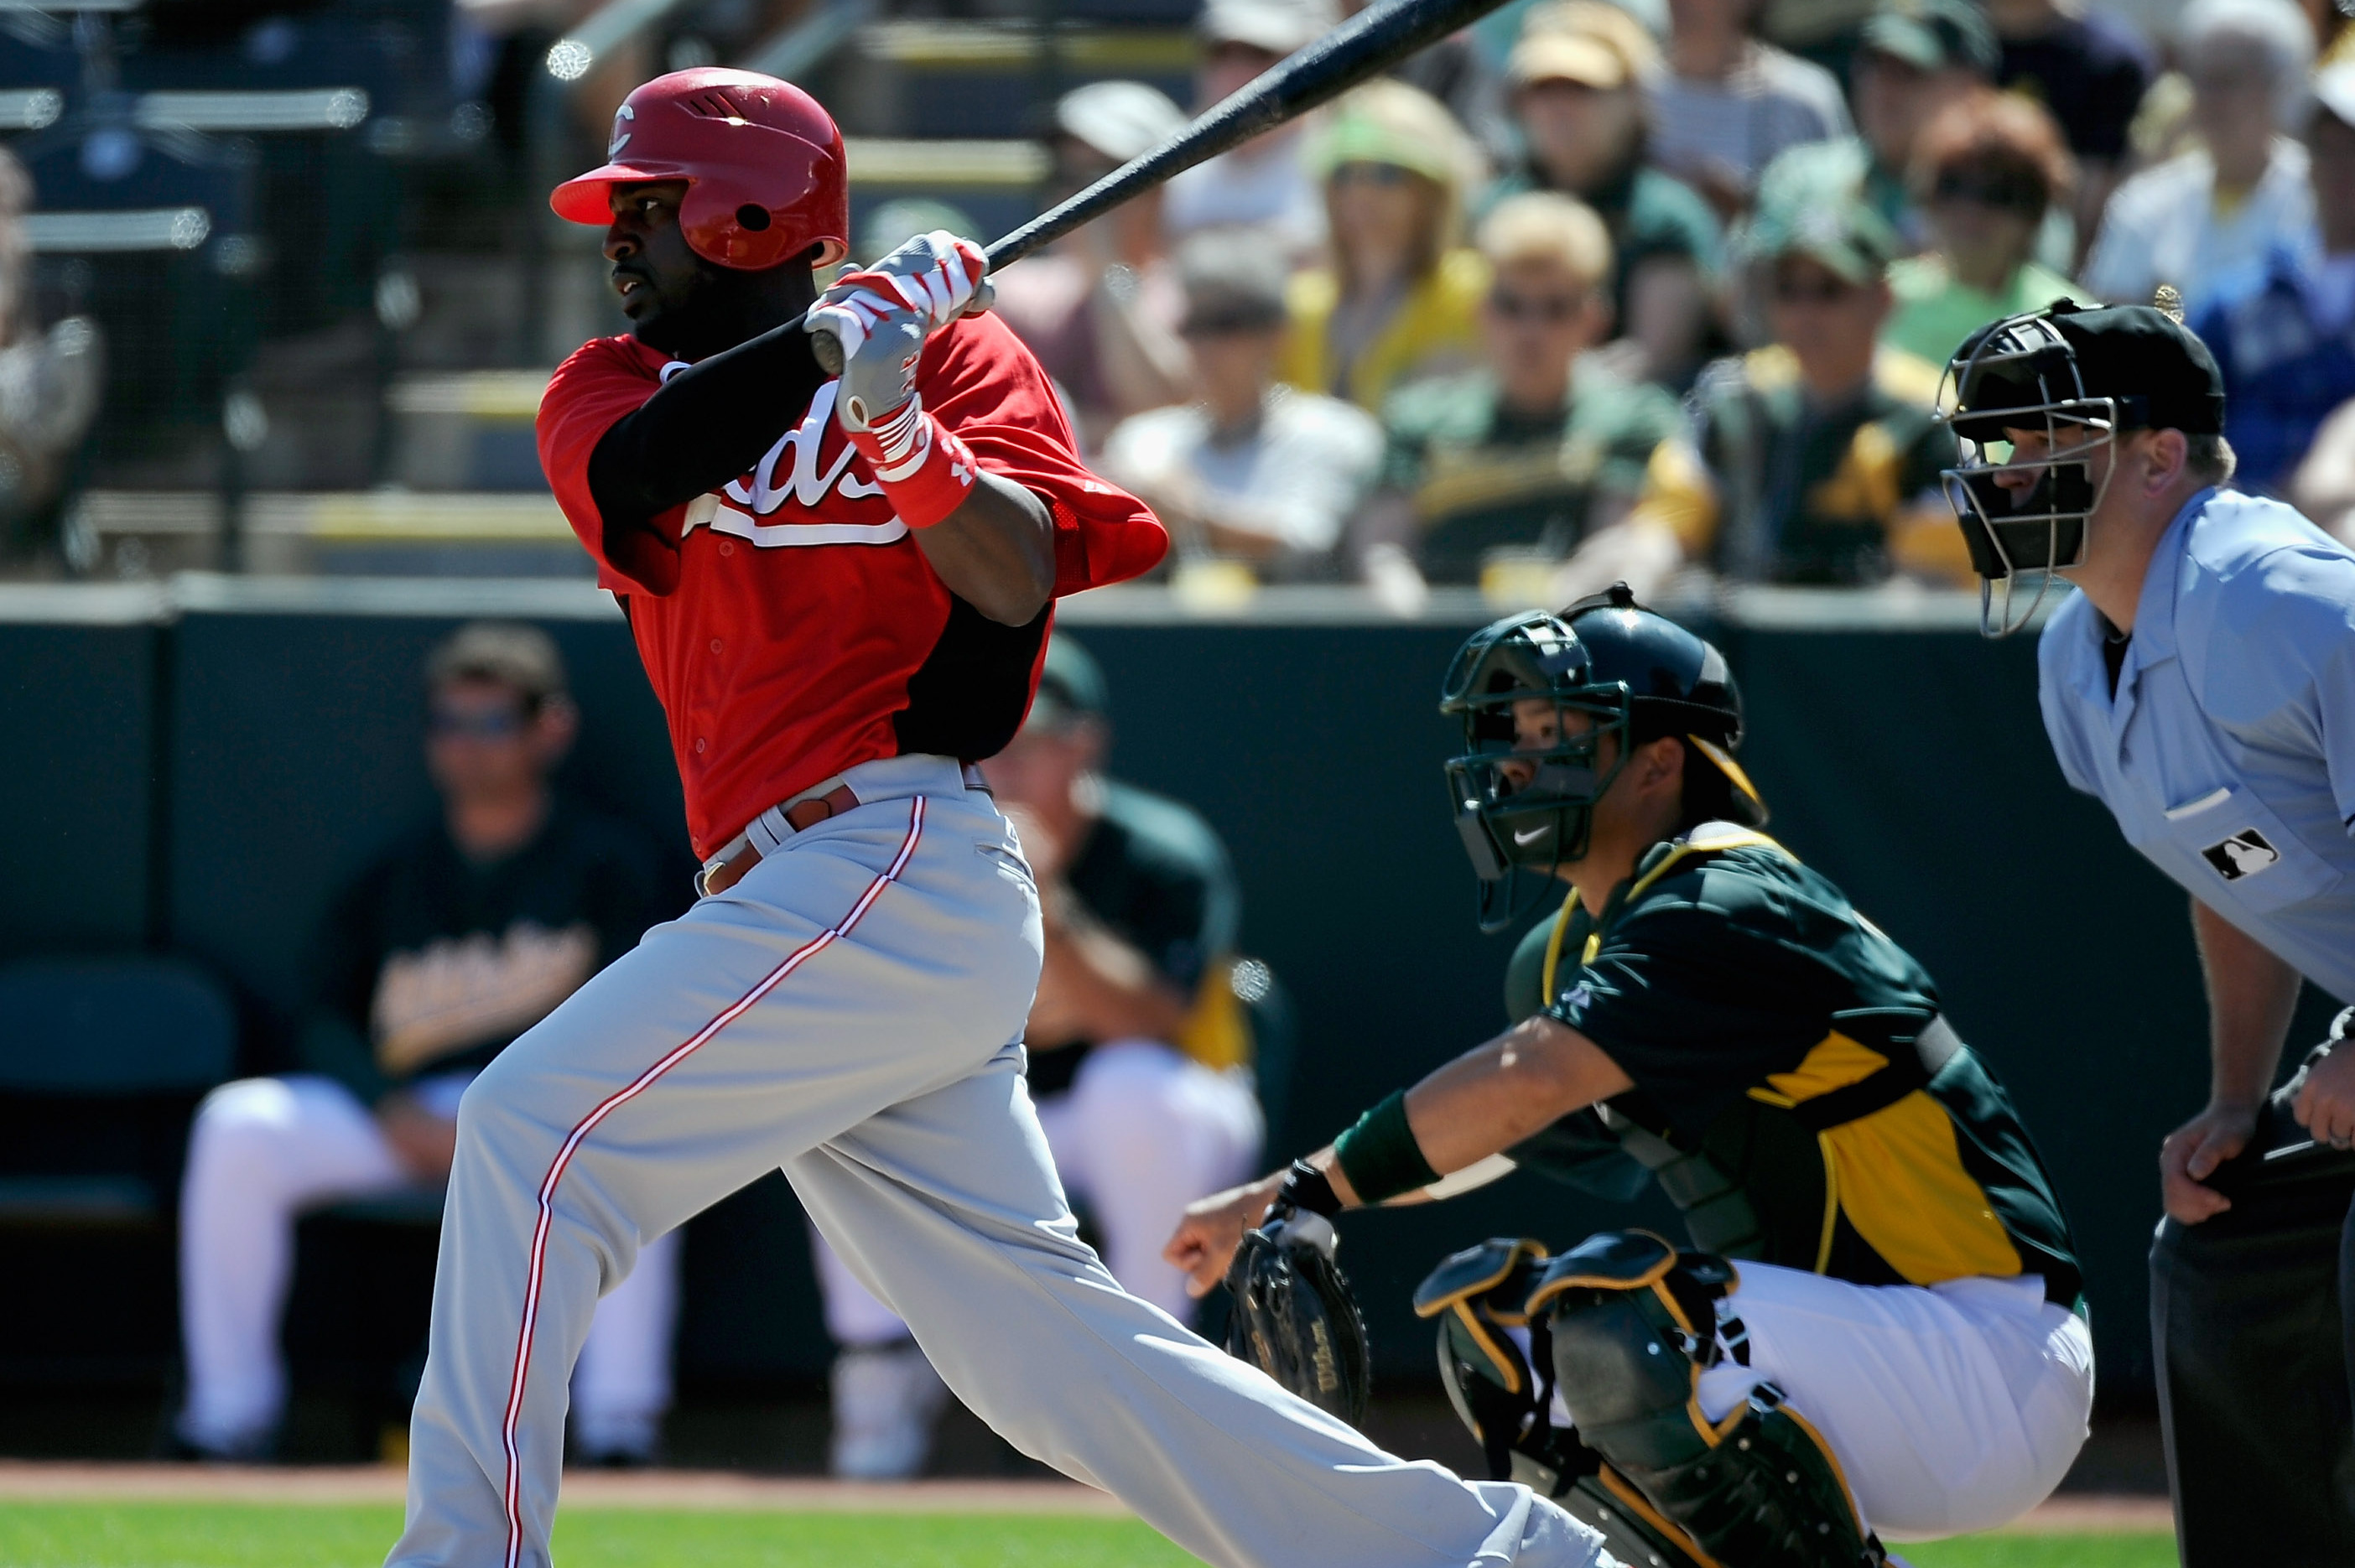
197	766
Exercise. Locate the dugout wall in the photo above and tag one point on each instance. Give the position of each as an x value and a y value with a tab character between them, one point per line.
196	766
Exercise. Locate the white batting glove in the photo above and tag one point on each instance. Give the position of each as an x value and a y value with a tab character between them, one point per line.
936	277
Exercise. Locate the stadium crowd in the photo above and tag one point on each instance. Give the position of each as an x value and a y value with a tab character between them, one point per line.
1673	286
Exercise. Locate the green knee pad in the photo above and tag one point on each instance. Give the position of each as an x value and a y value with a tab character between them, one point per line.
1632	1324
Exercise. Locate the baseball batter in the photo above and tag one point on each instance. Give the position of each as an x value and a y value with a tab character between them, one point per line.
841	589
1877	1333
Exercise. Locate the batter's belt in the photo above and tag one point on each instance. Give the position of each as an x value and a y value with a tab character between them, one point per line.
767	833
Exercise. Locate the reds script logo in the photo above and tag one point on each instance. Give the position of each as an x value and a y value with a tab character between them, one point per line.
789	472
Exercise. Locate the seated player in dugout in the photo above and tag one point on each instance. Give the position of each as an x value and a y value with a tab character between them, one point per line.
1877	1328
1139	1046
468	928
1816	458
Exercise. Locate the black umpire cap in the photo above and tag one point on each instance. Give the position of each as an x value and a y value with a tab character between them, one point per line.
2155	368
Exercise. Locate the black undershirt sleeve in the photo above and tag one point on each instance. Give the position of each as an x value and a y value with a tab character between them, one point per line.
707	425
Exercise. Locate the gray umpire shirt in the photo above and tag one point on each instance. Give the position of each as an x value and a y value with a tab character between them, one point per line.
2228	751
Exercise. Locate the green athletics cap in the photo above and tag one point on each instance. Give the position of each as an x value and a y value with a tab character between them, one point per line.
1810	204
1933	35
1070	686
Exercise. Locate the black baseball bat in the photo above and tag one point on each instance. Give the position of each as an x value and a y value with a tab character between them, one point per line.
1374	39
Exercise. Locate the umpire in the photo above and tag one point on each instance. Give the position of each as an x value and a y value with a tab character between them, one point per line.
2202	683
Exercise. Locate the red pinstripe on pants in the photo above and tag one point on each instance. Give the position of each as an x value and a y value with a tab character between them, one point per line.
637	1086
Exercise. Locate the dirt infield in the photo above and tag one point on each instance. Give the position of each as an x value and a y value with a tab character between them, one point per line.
2073	1515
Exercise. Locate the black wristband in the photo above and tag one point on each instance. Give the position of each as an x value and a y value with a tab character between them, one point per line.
1306	1187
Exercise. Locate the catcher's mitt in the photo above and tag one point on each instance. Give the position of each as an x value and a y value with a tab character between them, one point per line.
1295	1317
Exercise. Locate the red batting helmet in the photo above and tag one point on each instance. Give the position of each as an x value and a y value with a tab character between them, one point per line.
762	163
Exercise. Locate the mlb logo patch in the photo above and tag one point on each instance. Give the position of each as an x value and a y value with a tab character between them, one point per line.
2244	854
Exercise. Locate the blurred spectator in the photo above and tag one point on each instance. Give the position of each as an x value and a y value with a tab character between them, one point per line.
1139	1051
1823	31
50	383
1251	468
471	928
1577	77
1397	297
1100	306
1498	475
1729	101
1816	459
1987	170
2324	485
1261	182
2208	214
2284	335
2090	67
1456	72
1916	60
892	224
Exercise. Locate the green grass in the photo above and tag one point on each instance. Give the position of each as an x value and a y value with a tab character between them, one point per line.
242	1535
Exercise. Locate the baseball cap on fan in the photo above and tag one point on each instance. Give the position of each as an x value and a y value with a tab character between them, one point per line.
1933	35
1583	41
1070	687
1234	282
1810	204
1118	119
1278	27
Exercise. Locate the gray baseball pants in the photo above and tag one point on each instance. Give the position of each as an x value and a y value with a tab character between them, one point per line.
845	1012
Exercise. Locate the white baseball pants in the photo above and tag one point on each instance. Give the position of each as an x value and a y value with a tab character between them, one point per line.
1950	1408
845	1011
1142	1131
264	1149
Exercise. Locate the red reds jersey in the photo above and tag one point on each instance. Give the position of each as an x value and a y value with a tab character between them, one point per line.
790	624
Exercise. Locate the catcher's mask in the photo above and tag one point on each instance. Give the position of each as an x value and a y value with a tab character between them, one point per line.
1542	740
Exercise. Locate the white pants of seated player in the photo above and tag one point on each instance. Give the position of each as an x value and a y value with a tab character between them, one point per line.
261	1152
1142	1131
1950	1408
845	1011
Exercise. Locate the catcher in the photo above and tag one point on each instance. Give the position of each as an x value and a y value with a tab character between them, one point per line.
1881	1330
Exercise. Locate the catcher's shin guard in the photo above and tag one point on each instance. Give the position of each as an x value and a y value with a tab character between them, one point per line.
1506	1399
1634	1324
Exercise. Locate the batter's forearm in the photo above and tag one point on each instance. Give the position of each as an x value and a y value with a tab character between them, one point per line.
709	424
995	551
2251	996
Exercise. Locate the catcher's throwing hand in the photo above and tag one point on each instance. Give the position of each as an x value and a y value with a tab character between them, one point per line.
1213	1228
1295	1316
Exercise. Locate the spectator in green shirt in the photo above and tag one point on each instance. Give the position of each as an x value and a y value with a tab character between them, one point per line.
1987	170
1816	458
1495	477
1576	82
